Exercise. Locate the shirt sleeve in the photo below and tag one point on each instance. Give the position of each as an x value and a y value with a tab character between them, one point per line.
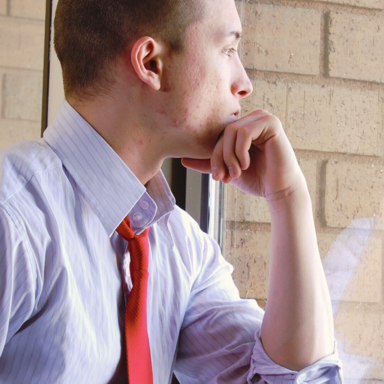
220	337
17	277
264	370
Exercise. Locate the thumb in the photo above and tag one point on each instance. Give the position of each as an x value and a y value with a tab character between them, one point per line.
203	166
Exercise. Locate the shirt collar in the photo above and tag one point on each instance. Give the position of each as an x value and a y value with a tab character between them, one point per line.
108	184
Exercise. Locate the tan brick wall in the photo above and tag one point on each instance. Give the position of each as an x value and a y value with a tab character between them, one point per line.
379	4
356	46
354	191
318	65
22	96
334	119
31	9
21	69
281	39
248	252
3	7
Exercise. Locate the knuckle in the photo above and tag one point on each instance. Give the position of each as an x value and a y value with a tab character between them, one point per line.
216	160
243	130
260	111
231	128
229	159
275	119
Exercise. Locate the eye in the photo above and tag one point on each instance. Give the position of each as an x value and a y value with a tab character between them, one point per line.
229	51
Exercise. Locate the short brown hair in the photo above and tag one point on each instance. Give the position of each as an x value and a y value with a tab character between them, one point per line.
90	34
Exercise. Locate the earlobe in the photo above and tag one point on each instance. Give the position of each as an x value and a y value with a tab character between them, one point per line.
147	62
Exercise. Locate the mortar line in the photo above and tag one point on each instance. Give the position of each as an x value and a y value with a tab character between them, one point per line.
268	75
322	188
322	6
325	34
3	96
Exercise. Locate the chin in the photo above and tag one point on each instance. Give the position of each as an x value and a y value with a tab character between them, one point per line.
201	151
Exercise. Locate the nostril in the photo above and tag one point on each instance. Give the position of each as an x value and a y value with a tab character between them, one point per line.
243	93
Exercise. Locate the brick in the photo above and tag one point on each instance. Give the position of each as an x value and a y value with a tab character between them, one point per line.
240	206
32	9
3	7
356	47
375	4
271	96
21	43
335	119
281	39
248	252
354	195
12	131
22	96
361	381
352	265
359	329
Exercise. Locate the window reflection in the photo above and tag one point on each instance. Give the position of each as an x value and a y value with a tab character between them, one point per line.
318	66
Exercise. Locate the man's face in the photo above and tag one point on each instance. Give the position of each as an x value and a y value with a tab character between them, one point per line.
204	83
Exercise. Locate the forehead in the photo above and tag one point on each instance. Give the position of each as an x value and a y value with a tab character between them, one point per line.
220	20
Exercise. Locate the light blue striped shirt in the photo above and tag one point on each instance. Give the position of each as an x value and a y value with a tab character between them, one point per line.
62	266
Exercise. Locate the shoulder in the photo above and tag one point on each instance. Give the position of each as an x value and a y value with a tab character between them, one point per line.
20	162
181	218
187	231
182	223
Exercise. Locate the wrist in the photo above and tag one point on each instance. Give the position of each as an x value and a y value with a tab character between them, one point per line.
290	198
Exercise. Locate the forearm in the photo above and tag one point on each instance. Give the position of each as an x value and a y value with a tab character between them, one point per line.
298	325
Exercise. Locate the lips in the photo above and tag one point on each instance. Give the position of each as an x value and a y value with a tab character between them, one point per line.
236	114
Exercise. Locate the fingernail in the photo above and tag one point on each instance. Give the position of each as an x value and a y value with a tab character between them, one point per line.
214	172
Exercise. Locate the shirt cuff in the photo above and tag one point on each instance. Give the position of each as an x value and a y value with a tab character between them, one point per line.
264	370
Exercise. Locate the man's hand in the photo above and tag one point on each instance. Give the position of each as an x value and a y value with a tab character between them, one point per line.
255	155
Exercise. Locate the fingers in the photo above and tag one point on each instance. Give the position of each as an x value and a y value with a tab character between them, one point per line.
243	145
229	158
231	155
226	162
203	166
218	167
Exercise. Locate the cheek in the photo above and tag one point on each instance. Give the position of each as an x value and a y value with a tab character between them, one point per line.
200	98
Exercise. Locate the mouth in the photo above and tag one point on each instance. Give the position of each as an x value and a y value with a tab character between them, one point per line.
233	117
236	114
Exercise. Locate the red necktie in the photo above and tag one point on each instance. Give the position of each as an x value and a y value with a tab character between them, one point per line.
135	319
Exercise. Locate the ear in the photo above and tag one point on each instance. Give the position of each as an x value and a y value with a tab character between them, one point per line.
147	61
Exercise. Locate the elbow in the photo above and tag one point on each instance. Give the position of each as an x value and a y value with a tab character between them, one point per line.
297	356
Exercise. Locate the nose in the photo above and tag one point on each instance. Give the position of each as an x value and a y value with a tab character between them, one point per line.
242	87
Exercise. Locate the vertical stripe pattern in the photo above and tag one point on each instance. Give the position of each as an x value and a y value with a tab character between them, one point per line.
61	261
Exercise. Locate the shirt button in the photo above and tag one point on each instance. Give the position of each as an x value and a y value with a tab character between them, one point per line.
137	216
144	204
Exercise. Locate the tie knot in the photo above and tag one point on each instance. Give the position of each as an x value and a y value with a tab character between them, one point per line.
126	232
137	245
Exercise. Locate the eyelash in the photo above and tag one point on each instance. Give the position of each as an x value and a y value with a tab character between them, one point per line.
229	51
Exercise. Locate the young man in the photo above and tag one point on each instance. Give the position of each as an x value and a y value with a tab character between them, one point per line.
146	80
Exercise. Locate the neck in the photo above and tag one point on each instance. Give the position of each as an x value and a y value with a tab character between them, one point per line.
136	144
